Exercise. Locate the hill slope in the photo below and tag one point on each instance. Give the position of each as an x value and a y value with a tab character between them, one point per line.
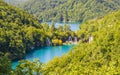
20	32
100	56
14	26
70	10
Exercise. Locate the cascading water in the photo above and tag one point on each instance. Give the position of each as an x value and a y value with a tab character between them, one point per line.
48	42
70	38
75	40
90	39
32	47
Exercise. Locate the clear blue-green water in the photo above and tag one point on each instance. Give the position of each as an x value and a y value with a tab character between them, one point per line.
45	54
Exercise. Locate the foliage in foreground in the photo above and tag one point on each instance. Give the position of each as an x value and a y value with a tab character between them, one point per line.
28	68
5	64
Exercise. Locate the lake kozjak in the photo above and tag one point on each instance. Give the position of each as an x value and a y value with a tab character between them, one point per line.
45	54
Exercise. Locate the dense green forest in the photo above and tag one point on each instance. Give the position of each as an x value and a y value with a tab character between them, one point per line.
101	56
20	31
70	10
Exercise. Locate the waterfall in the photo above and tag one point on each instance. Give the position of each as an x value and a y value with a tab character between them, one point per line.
32	47
48	42
90	39
75	40
70	38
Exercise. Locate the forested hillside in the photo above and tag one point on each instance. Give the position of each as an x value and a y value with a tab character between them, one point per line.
101	56
21	32
70	10
14	26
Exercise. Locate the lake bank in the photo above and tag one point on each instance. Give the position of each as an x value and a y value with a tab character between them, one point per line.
45	54
48	51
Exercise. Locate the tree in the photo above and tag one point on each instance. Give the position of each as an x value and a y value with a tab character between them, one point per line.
52	27
5	64
29	67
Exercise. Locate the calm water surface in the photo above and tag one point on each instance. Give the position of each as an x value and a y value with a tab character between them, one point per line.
45	54
73	26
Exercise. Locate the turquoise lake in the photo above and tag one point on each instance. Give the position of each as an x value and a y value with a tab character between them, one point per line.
73	26
45	54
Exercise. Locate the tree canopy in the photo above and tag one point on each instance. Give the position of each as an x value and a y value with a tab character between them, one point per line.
20	31
100	56
70	10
